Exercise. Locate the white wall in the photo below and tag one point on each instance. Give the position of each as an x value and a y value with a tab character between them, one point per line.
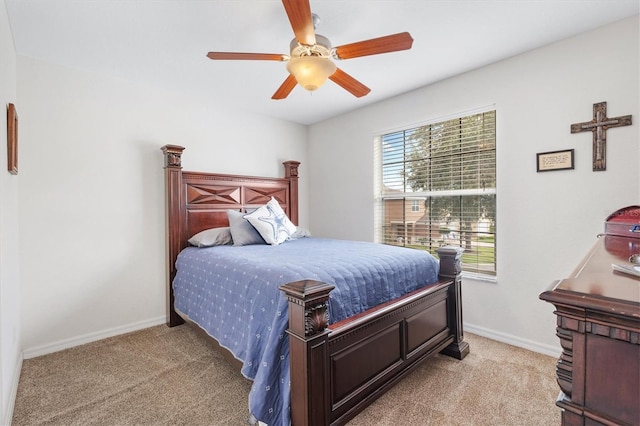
91	193
546	221
10	353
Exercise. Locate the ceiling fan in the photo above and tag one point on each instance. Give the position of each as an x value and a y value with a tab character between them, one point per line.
310	58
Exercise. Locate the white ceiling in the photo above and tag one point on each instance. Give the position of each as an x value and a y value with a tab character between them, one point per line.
164	42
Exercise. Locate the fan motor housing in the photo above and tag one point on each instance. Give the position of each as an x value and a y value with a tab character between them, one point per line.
321	48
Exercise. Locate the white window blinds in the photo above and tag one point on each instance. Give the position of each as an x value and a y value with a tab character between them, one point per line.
437	186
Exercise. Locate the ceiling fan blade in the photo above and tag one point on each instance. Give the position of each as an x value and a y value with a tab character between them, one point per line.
374	46
286	88
349	83
299	13
248	56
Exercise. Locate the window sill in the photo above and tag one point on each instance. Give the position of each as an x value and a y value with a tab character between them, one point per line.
480	277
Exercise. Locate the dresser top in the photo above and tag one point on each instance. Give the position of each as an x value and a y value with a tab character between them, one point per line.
594	284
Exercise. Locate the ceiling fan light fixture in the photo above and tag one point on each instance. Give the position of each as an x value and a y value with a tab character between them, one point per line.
311	72
310	58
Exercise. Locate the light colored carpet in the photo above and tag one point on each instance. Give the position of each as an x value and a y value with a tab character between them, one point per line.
174	376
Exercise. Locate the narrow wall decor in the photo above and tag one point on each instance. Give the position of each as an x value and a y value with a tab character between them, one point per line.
554	160
12	139
599	126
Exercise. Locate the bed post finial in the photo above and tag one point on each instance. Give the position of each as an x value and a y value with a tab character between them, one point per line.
450	261
291	169
172	155
451	267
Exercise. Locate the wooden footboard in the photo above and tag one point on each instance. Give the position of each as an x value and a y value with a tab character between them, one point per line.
338	370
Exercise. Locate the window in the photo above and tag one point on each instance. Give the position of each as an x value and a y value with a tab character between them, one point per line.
437	186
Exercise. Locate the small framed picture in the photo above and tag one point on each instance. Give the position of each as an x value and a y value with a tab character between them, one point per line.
554	160
12	139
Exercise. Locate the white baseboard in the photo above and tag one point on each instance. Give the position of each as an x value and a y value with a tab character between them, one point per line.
13	392
509	339
91	337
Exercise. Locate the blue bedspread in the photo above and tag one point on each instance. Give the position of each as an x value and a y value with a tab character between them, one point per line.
232	293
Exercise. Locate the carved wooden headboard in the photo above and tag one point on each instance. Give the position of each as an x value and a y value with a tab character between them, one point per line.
196	201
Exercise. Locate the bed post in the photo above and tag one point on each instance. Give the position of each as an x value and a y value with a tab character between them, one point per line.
451	268
173	221
291	173
308	356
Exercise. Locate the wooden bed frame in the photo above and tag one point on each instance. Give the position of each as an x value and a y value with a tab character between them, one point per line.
336	370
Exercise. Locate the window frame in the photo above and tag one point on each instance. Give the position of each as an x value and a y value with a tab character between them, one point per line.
477	271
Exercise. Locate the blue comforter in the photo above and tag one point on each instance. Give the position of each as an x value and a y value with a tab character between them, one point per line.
232	293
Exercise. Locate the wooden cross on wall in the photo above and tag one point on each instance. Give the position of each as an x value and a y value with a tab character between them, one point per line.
599	126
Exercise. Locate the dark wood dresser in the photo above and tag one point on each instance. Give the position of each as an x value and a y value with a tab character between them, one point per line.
598	313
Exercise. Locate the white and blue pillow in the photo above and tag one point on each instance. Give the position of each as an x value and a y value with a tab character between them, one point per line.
271	222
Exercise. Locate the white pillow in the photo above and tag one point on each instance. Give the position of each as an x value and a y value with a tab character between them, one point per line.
300	233
271	222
